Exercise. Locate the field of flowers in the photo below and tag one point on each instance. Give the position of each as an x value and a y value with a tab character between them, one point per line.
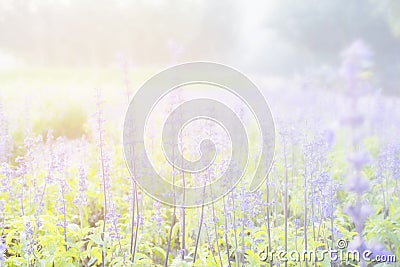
68	199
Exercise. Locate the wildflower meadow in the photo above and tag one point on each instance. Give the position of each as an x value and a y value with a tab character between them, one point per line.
310	164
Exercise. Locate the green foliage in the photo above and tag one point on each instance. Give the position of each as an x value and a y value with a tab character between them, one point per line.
69	121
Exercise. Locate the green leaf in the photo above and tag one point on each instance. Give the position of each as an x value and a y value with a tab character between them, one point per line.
10	236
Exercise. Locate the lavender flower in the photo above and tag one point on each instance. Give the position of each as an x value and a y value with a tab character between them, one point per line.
60	164
157	218
6	173
357	184
80	199
4	137
358	160
28	239
296	223
3	249
359	215
112	220
357	59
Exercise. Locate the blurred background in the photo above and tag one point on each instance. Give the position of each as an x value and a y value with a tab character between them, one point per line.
271	38
54	54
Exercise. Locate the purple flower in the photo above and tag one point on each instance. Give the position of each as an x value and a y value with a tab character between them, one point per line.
329	137
3	249
359	159
28	238
112	219
357	184
359	215
354	120
80	199
6	173
328	210
378	250
157	218
4	136
357	244
296	223
356	59
389	161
